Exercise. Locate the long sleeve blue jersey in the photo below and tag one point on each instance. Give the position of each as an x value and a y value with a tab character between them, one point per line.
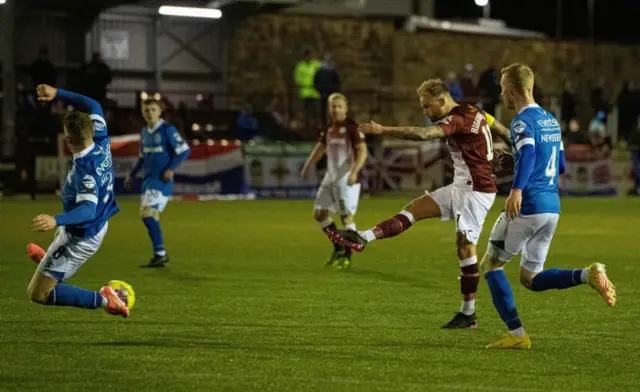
161	149
87	194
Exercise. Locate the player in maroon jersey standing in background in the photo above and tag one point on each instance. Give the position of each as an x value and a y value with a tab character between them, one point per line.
466	201
339	191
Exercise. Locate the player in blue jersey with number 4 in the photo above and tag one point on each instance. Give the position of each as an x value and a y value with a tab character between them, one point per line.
88	203
531	211
162	151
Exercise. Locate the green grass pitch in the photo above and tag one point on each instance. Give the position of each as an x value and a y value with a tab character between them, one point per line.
246	304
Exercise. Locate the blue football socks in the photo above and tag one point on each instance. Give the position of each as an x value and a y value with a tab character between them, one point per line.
66	295
556	279
155	233
503	298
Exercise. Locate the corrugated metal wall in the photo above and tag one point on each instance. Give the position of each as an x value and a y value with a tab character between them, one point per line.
185	72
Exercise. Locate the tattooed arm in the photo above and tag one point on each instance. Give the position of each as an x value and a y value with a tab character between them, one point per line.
414	133
409	133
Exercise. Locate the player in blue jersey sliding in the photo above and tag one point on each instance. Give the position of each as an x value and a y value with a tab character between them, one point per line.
531	211
162	150
88	203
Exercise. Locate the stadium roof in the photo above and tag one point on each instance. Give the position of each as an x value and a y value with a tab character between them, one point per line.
70	5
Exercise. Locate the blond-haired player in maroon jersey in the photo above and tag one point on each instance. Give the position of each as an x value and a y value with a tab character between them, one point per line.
339	191
466	201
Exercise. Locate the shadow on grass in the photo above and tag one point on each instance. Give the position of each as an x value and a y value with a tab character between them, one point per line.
421	283
337	348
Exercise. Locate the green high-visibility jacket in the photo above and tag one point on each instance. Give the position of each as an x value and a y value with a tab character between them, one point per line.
304	73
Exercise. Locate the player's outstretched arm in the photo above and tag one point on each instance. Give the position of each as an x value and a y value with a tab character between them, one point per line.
415	133
86	104
408	133
79	101
314	157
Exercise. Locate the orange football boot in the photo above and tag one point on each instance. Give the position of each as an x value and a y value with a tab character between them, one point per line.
115	306
35	253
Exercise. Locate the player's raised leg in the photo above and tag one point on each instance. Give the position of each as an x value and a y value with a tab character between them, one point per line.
534	254
421	208
532	235
65	255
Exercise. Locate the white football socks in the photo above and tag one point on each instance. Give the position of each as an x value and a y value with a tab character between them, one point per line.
367	235
518	332
350	227
584	276
468	307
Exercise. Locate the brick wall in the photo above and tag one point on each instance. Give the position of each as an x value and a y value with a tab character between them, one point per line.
374	55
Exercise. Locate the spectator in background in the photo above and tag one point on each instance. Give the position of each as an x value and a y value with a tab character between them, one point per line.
634	148
42	70
453	84
574	134
568	103
468	84
304	74
97	76
598	136
598	98
597	124
489	88
627	109
247	127
326	81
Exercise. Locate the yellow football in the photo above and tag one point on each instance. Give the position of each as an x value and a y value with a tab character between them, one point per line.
124	291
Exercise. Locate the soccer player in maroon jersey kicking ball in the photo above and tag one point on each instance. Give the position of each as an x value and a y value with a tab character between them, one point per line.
466	201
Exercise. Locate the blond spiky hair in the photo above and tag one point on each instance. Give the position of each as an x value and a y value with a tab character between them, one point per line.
433	87
520	76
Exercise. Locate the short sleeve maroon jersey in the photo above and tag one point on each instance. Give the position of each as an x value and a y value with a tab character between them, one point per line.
471	147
